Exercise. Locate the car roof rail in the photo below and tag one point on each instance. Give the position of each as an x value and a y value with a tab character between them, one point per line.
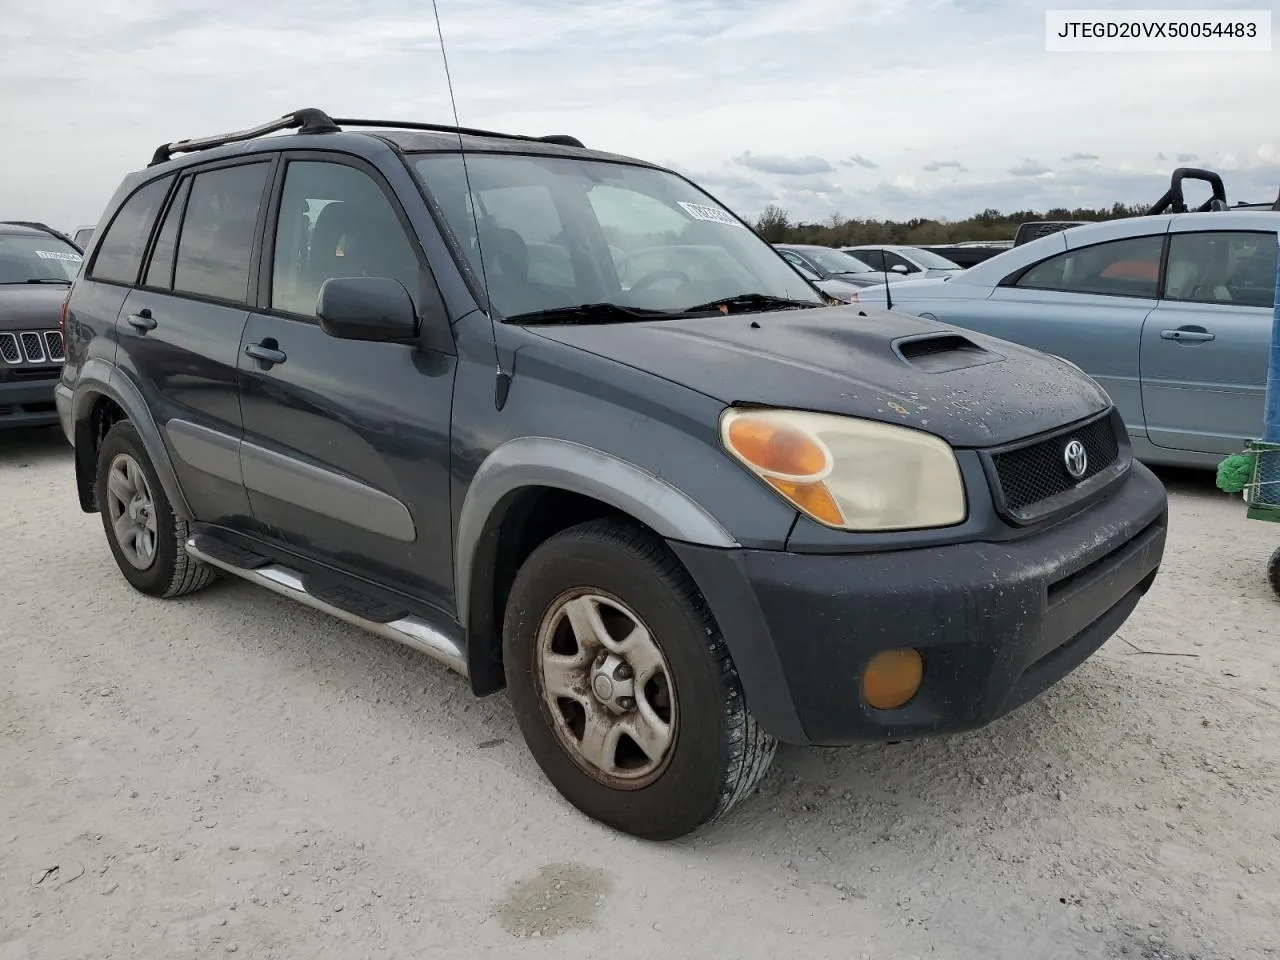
308	120
1173	200
563	139
312	120
37	225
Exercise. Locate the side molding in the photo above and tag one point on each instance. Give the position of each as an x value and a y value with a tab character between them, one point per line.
563	464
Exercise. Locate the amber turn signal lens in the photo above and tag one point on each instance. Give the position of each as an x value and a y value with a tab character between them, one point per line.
776	448
892	678
813	498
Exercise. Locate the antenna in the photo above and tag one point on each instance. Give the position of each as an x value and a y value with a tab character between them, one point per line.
503	379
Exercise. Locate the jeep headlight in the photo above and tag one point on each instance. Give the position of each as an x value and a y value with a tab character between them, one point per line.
847	473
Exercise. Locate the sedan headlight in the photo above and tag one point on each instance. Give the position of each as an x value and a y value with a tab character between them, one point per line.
846	473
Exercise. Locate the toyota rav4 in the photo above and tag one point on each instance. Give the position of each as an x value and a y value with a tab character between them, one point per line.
561	421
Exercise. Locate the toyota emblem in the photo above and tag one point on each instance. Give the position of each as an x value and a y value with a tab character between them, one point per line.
1076	459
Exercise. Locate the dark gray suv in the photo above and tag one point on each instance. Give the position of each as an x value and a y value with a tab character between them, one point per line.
561	421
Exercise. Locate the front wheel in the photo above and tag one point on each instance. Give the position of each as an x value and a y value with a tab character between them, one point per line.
624	688
1273	571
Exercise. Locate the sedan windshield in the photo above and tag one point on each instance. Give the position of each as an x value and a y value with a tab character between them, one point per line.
555	234
837	261
931	260
27	258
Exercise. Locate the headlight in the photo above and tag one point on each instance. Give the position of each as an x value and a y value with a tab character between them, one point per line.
847	473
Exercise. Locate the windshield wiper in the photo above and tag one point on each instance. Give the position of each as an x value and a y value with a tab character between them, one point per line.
9	283
745	302
590	313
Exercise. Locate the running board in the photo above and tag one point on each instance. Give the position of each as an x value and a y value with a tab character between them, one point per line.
410	630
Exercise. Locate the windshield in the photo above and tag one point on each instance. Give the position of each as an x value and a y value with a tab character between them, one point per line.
931	260
837	261
558	233
29	258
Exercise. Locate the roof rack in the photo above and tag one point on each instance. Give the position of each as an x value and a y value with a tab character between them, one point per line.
37	225
312	120
1173	200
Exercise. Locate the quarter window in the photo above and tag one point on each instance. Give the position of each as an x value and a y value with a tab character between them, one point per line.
1126	268
215	245
335	222
160	269
1237	268
120	253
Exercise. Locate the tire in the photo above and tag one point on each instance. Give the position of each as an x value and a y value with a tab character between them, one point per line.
1273	572
165	569
717	753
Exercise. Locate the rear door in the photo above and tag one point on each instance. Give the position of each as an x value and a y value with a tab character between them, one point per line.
180	328
1205	346
346	446
1086	304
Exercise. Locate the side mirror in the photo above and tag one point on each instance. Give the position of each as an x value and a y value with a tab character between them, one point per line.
366	308
899	268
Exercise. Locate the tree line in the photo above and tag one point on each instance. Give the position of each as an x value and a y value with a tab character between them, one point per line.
776	226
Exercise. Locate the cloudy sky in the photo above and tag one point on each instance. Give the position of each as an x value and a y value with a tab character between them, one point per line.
875	108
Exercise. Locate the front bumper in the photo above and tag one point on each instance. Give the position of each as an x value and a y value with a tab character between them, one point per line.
27	403
996	623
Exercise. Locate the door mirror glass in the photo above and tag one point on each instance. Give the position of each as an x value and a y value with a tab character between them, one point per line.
366	308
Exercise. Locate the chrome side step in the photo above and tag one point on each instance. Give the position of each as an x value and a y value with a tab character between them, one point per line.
409	630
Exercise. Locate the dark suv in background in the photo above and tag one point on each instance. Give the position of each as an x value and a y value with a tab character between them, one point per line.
37	265
468	391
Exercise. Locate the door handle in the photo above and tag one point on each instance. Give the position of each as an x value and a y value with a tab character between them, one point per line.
142	321
267	354
1187	335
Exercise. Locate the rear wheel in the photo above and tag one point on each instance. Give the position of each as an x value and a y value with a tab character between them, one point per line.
147	540
623	686
1273	571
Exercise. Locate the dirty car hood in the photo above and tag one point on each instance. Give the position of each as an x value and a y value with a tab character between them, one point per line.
969	389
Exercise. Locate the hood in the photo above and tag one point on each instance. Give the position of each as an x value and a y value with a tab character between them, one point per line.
31	306
971	390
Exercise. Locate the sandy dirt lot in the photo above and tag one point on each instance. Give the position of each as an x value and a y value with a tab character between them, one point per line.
233	774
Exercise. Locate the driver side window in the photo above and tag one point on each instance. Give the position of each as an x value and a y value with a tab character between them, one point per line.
335	221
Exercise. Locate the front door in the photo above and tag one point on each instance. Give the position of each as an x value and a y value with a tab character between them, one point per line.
1205	347
346	443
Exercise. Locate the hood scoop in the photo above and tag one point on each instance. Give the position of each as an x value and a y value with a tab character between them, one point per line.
942	352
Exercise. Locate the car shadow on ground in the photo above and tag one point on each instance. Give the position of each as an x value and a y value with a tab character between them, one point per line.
26	446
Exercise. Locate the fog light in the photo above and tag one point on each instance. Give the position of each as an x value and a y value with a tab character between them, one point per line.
892	678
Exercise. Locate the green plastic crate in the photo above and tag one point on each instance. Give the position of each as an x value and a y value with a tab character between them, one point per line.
1262	495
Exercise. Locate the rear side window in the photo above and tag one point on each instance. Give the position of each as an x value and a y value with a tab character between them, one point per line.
1124	268
120	253
215	244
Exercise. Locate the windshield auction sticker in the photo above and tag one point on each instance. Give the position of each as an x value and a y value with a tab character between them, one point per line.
58	255
700	211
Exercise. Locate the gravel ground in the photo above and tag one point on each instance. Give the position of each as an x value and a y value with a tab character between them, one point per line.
232	773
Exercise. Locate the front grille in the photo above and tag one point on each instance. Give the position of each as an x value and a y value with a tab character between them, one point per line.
32	346
1030	475
53	344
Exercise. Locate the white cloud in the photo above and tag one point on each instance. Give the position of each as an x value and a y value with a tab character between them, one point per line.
90	87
